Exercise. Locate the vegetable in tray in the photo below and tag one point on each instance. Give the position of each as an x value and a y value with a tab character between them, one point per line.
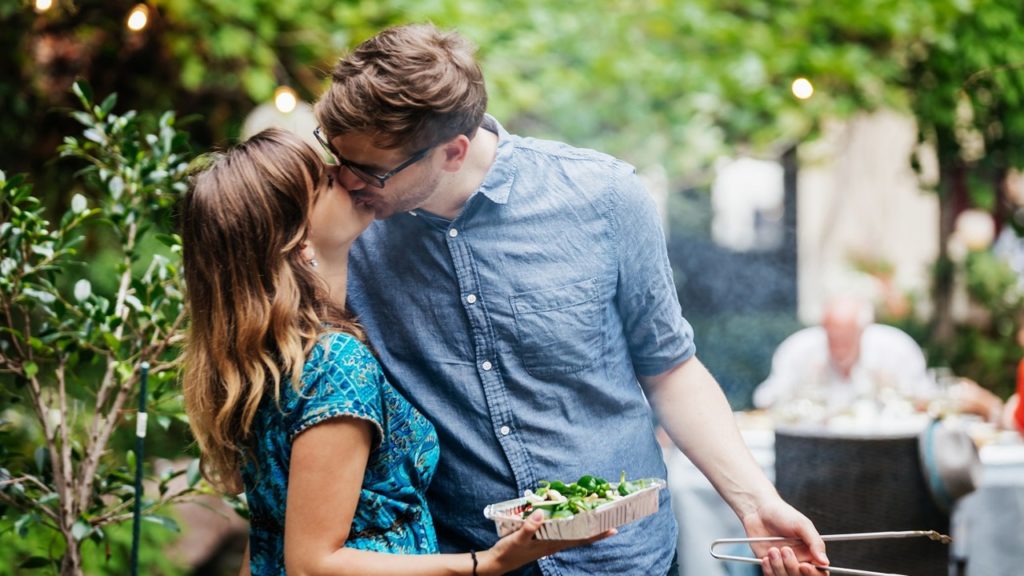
560	500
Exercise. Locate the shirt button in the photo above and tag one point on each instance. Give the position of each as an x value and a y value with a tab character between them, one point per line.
453	232
505	430
471	298
487	365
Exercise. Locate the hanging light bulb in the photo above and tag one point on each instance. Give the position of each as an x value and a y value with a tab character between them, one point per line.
138	18
802	88
285	99
43	5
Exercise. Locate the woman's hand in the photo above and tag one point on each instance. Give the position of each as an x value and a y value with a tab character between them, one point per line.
520	547
776	518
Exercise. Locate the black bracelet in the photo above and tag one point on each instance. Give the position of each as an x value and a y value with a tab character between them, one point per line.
472	554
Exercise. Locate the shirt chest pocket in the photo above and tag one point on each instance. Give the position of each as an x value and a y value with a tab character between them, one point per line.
558	330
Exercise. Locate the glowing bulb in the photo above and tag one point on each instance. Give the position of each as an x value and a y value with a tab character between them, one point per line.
285	99
802	88
43	5
138	18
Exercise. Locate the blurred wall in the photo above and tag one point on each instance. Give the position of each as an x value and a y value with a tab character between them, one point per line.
859	199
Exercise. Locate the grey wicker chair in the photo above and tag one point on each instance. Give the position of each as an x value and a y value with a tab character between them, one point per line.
848	483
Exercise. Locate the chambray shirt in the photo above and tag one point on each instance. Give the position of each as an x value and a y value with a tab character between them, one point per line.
519	328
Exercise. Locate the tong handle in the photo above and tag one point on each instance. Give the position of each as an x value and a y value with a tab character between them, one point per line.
829	569
931	534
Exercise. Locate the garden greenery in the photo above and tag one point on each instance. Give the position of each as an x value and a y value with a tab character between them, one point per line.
69	352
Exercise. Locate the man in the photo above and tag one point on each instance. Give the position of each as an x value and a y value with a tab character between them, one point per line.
516	290
846	362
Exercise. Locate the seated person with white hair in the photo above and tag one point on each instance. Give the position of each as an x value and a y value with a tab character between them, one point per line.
845	365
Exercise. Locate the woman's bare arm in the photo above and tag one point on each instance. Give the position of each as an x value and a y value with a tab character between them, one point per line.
326	474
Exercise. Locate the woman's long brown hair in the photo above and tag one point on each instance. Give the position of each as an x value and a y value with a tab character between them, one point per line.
256	306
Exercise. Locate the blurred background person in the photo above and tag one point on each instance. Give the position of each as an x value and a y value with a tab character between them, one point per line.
845	362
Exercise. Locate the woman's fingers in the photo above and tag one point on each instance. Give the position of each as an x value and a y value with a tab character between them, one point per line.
530	527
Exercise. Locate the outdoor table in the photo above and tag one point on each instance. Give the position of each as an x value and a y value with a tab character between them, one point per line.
988	539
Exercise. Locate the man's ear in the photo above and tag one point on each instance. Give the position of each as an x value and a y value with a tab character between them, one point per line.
455	152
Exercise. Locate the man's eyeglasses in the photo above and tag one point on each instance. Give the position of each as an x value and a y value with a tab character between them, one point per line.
364	173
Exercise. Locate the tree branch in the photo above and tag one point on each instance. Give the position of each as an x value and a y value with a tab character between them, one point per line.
103	421
110	518
32	504
65	483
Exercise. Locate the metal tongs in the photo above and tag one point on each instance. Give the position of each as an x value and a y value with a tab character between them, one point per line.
930	534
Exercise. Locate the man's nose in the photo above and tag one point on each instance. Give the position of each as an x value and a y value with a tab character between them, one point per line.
350	180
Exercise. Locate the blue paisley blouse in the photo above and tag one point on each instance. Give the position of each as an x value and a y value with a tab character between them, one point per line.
342	378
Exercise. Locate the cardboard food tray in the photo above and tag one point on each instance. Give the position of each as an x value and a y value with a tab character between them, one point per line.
508	515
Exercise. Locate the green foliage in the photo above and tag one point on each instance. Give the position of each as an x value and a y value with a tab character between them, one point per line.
738	348
673	83
989	351
69	352
35	552
657	82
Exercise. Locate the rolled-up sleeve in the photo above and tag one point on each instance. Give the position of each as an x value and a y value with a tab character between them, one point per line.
658	335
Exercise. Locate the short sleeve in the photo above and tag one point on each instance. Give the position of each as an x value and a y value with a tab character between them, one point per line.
341	378
659	336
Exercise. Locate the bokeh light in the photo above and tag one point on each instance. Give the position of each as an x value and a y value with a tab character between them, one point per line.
285	99
138	18
802	88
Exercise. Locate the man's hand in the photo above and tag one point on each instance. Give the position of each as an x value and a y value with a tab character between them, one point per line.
776	518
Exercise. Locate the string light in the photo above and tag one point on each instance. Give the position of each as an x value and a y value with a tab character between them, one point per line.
138	18
802	88
285	99
43	5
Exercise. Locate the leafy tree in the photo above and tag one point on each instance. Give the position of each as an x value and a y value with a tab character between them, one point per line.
967	93
657	82
69	354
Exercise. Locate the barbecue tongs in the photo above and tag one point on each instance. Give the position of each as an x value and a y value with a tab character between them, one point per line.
930	534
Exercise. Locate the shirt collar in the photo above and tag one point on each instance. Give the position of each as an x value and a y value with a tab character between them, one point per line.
497	182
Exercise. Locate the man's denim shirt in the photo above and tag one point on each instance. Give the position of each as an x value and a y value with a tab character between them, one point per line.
519	329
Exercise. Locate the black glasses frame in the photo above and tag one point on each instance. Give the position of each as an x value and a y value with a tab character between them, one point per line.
362	172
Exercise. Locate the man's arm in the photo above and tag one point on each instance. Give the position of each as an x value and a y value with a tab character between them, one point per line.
693	410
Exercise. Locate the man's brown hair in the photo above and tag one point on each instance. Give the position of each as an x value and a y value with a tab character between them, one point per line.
408	87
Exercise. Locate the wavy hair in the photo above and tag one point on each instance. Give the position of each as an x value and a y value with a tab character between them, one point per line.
408	87
255	306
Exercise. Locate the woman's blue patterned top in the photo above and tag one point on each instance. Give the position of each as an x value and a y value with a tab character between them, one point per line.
342	378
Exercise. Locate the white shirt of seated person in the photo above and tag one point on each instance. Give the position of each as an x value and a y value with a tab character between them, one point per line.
864	362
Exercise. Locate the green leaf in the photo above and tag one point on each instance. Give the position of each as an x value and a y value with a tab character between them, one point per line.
108	105
164	521
98	535
84	93
22	523
31	369
80	530
170	240
83	118
42	459
36	562
193	475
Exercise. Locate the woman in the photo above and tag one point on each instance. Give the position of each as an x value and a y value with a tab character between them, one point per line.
283	397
